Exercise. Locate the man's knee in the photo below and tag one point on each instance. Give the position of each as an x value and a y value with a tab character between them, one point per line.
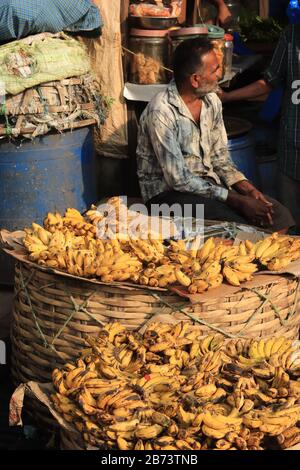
282	217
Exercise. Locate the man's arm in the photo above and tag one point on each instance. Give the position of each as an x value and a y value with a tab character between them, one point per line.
163	135
252	91
274	76
224	13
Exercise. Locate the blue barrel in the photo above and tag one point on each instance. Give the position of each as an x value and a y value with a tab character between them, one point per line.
241	148
50	173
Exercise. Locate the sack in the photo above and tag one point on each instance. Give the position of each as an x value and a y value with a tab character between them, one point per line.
39	59
21	18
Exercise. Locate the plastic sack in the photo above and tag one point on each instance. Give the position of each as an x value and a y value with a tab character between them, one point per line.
21	18
170	9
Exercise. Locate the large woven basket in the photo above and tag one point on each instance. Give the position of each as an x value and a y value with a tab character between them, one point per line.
61	105
52	316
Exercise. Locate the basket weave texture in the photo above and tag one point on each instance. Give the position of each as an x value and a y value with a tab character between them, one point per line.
53	315
58	105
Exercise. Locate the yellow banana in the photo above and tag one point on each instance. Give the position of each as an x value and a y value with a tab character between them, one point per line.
148	431
182	278
231	276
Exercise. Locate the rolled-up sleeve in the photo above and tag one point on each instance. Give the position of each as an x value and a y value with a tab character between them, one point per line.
275	74
220	157
163	135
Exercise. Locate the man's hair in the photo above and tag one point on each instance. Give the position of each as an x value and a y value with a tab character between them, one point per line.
188	57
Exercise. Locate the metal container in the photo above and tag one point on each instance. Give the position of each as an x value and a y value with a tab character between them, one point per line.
51	173
153	22
228	54
216	35
150	56
181	34
241	147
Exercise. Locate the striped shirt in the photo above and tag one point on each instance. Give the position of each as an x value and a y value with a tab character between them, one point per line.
175	153
284	70
20	18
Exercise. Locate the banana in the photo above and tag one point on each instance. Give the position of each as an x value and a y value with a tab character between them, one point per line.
182	278
183	445
242	249
205	344
214	433
277	264
270	253
205	250
205	391
148	431
247	268
268	347
139	445
231	276
123	444
277	345
124	426
261	348
211	270
262	246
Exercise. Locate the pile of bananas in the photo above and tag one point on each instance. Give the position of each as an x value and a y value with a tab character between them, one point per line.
170	389
75	244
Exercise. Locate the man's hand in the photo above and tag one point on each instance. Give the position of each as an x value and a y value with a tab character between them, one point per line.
247	189
255	210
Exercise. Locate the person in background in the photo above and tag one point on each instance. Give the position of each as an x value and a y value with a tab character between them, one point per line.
284	71
223	12
182	152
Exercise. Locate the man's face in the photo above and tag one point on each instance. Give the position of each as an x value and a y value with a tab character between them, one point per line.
205	80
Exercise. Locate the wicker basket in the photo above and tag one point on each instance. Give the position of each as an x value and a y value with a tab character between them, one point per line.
52	316
61	105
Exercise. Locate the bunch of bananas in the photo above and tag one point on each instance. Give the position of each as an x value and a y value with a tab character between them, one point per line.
171	389
99	245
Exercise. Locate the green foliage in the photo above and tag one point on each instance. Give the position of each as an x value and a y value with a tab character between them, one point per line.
257	29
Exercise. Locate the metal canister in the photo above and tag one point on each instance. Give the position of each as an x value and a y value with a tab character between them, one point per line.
216	34
181	34
150	56
228	53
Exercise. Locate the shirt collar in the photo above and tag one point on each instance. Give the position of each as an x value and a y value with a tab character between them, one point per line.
176	100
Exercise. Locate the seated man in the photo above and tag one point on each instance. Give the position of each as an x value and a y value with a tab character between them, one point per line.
182	153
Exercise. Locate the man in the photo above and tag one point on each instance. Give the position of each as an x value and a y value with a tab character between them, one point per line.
182	152
284	70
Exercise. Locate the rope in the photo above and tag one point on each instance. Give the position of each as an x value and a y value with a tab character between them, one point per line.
46	344
295	304
134	53
77	308
194	318
264	297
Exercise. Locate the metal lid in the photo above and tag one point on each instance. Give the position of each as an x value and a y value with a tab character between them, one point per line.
193	31
150	33
235	127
